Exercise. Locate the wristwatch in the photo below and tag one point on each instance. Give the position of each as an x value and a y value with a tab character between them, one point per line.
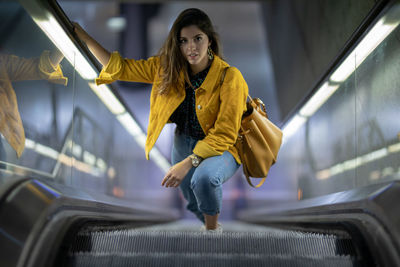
195	160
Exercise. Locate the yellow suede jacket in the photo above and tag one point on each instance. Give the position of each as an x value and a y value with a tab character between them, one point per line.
219	109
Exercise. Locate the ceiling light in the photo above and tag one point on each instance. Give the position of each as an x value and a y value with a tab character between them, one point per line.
293	125
57	35
108	98
374	37
116	24
318	99
129	124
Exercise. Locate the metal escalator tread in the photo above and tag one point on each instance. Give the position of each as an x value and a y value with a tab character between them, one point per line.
157	247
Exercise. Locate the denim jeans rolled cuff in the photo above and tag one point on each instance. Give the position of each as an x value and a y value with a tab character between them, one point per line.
197	213
207	188
210	213
202	186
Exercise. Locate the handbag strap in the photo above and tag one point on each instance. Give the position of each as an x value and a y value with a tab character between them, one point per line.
255	186
246	174
223	78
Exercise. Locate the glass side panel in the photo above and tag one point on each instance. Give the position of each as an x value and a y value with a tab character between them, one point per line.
36	96
72	137
353	139
377	105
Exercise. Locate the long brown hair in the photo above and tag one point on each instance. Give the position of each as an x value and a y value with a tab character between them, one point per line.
172	60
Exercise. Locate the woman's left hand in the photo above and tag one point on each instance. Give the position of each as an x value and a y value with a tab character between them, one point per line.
177	173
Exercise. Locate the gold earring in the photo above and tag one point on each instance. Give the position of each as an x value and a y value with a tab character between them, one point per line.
210	53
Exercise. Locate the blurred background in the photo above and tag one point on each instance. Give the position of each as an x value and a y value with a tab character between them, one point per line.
287	51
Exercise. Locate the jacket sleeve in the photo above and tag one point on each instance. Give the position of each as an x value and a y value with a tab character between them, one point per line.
129	70
223	135
20	69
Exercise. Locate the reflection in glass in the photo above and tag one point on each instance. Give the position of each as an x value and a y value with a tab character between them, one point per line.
76	134
14	68
348	134
34	93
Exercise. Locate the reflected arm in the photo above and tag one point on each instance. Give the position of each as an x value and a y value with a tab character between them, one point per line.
56	57
101	54
45	67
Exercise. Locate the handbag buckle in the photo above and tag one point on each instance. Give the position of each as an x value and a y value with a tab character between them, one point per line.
260	104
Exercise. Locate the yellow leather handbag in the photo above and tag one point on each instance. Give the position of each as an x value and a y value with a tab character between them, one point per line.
258	142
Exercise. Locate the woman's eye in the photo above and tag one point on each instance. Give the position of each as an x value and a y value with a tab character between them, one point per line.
182	41
199	38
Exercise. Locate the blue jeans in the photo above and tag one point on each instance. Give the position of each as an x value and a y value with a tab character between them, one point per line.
202	186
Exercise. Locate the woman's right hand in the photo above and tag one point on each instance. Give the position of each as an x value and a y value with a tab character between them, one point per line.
81	33
102	55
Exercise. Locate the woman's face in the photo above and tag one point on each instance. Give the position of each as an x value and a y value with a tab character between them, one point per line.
194	44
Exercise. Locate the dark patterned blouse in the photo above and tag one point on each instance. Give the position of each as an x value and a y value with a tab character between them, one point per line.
185	115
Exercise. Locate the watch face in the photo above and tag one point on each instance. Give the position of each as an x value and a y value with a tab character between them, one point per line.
195	161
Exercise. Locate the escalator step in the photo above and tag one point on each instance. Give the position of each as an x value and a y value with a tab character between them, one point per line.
204	260
113	246
272	243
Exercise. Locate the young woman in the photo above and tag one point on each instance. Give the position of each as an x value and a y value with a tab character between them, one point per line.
187	90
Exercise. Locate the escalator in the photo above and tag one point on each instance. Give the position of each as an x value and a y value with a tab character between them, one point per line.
63	228
177	244
44	223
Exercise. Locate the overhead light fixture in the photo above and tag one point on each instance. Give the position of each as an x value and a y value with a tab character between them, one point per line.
133	128
46	151
160	160
140	137
89	158
141	140
108	98
292	126
116	24
101	164
394	148
345	69
88	166
368	44
129	124
76	150
318	99
60	39
30	143
373	156
64	159
358	161
82	166
379	32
